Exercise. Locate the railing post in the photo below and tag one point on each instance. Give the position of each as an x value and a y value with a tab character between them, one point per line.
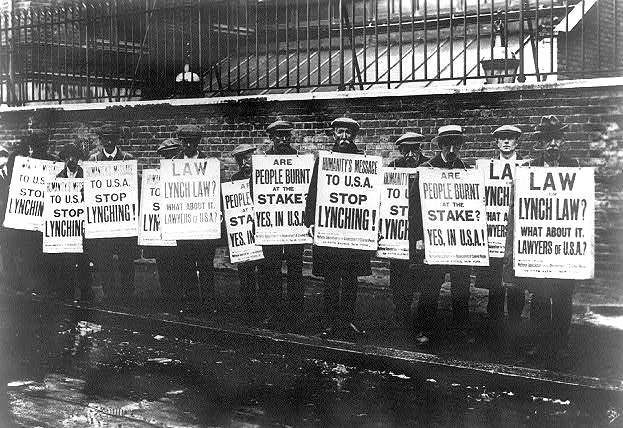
86	42
341	86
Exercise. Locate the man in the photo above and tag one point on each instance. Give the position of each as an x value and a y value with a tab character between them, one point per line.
450	140
340	267
402	276
27	246
67	264
247	271
167	258
8	265
552	299
195	255
102	250
507	141
280	134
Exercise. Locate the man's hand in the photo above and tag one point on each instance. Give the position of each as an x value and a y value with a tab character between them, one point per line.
310	231
419	245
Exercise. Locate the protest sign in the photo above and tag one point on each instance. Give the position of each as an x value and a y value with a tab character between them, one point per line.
238	212
190	193
111	198
64	214
280	186
149	233
453	216
554	224
498	175
394	242
347	201
24	208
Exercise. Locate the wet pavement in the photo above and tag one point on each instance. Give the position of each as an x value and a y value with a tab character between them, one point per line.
140	363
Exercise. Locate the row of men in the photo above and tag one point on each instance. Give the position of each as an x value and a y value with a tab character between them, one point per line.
179	266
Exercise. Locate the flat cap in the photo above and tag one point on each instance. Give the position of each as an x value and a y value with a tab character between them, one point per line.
507	129
409	138
550	125
188	131
109	129
169	145
70	149
279	125
448	134
241	149
345	122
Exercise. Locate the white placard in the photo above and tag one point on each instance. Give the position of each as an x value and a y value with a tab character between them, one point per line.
394	242
111	198
453	216
554	224
238	212
190	192
280	186
347	201
64	215
24	208
149	233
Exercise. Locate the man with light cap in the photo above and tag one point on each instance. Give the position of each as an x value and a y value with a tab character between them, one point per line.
103	250
490	277
280	134
167	258
340	267
247	271
450	140
195	255
551	305
403	276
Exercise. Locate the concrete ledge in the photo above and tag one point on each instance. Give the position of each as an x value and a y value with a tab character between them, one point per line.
606	82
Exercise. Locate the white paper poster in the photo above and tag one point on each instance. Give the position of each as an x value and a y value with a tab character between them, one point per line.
554	224
453	216
64	215
111	198
280	186
149	233
347	201
238	207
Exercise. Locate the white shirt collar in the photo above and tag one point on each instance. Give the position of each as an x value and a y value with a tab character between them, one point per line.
110	155
71	174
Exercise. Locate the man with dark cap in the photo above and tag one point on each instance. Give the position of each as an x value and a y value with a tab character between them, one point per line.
490	277
247	271
403	276
450	140
552	299
102	250
280	134
26	245
167	258
195	255
68	264
340	267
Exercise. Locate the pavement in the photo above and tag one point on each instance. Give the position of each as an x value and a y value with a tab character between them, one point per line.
595	359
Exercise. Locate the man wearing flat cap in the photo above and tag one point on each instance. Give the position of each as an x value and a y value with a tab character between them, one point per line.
490	277
167	258
280	134
450	140
403	276
340	267
247	271
195	255
551	305
103	250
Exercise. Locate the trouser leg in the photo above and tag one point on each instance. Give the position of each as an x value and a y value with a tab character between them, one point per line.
296	285
271	276
515	302
540	317
247	273
562	312
426	315
331	297
205	264
126	250
459	275
349	297
401	282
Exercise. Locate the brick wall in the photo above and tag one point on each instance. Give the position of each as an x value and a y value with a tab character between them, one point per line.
587	106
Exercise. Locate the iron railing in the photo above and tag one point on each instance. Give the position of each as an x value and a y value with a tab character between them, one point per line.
149	49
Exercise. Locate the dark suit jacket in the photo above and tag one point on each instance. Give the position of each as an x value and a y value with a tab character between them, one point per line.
79	173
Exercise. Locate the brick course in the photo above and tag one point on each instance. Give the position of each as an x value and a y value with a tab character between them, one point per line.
588	110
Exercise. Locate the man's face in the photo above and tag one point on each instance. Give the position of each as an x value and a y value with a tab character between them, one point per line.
244	161
109	142
450	150
281	138
553	146
410	152
189	145
71	162
344	137
507	142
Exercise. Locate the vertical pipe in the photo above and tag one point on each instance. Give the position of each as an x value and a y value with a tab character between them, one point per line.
247	49
287	37
238	50
438	37
376	36
87	56
536	44
200	43
318	42
353	45
478	37
329	17
451	39
413	6
308	43
276	45
400	40
117	42
365	41
266	44
389	46
521	39
227	49
583	35
464	42
426	40
298	41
